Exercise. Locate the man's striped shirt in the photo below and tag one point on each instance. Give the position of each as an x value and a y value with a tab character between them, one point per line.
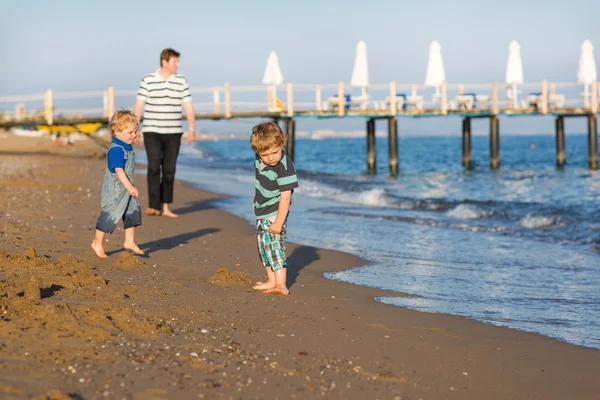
269	183
164	99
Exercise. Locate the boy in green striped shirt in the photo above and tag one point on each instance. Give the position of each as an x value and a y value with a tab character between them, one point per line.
275	181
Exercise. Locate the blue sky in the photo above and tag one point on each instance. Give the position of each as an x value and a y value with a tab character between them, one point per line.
77	45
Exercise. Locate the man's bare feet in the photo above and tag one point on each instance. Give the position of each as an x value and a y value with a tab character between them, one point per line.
170	214
263	286
133	248
152	211
282	290
99	249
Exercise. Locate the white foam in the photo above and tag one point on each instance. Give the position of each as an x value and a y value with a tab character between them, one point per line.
244	178
537	221
27	132
371	198
193	151
467	211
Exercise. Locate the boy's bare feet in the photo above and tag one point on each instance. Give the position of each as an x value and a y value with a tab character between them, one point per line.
99	249
132	247
282	290
170	214
263	286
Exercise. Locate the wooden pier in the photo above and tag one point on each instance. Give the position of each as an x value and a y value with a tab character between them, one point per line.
385	101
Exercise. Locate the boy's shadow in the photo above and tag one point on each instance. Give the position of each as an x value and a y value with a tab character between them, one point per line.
171	242
191	207
302	257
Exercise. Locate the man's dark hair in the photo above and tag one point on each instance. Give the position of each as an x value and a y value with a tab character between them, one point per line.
167	54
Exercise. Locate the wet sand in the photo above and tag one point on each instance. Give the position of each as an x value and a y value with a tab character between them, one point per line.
183	322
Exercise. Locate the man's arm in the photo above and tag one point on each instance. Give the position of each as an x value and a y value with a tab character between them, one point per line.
191	119
137	109
282	212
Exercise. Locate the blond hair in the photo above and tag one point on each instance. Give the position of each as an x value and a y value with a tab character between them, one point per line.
265	136
121	120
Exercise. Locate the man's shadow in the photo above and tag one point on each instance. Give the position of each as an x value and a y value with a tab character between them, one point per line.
171	242
194	206
302	257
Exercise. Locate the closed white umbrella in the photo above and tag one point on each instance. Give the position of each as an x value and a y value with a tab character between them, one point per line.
514	70
587	69
436	73
273	74
360	72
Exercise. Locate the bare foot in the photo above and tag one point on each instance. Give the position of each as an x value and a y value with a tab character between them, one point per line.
263	286
152	211
99	249
282	290
134	249
169	214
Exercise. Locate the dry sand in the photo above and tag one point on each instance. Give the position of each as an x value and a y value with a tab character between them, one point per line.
184	323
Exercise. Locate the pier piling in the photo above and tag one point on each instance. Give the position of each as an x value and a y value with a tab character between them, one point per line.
291	138
592	141
216	100
466	143
560	141
227	100
48	107
19	111
393	145
111	101
371	148
494	142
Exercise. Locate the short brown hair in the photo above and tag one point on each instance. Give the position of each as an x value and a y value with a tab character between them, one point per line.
122	120
166	55
265	136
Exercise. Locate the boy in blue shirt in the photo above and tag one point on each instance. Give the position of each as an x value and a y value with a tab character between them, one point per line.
118	193
275	180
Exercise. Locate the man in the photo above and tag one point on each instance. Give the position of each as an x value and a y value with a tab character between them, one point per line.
164	93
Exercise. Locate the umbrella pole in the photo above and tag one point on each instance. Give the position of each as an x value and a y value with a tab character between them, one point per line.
515	100
586	95
274	105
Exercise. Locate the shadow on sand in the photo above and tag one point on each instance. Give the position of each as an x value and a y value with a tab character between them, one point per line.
171	242
194	206
302	257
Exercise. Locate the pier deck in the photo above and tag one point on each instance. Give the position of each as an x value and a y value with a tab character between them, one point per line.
384	101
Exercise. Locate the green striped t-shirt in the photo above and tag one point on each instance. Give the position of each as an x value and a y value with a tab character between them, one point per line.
269	183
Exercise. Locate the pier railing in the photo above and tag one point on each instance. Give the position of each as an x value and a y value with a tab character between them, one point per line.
319	100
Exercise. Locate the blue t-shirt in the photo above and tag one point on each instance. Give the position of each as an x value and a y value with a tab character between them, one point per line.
116	156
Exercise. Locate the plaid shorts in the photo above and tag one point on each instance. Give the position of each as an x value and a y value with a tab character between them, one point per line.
271	246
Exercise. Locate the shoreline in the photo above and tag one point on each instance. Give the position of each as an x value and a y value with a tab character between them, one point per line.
549	331
328	337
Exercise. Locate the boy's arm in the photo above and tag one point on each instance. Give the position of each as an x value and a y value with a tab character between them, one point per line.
282	212
126	182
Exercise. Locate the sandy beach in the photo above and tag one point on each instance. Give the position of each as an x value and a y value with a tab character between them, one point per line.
182	322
